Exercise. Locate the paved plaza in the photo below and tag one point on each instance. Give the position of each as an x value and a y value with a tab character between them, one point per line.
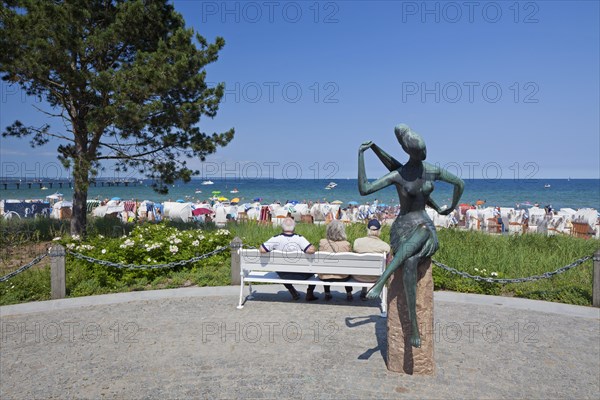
194	343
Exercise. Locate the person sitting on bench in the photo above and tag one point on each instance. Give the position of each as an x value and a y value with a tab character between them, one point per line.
292	242
372	243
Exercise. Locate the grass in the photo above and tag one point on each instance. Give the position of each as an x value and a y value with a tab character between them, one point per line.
506	256
516	257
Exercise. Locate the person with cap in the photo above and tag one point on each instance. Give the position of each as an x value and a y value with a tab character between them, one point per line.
289	241
371	243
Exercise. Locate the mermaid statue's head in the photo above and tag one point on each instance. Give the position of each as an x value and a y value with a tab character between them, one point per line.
412	143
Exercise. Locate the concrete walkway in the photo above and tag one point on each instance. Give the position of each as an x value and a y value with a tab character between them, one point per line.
194	343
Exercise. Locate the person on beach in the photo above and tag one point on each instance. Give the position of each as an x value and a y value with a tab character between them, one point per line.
371	243
413	237
290	241
335	242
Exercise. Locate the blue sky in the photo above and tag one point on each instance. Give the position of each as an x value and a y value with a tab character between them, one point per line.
497	89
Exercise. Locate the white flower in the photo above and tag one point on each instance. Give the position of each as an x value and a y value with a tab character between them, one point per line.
493	273
76	237
101	236
103	251
152	246
70	246
195	243
128	243
173	249
200	237
56	239
476	269
149	259
176	240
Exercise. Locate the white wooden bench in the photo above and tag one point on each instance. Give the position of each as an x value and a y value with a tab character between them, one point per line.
262	267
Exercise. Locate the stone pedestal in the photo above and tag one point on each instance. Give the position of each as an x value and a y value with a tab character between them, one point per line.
401	356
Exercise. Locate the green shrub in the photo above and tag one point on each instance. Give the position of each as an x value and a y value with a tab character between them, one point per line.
147	244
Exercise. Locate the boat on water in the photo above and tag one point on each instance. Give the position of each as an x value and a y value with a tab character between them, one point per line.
208	182
234	191
331	185
198	191
547	185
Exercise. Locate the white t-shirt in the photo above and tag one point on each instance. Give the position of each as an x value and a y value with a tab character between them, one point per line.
287	242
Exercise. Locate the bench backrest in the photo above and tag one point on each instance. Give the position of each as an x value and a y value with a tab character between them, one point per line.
320	262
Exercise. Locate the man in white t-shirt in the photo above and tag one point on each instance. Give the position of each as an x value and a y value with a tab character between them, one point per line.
292	242
372	243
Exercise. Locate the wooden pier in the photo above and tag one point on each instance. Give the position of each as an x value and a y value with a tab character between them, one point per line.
7	184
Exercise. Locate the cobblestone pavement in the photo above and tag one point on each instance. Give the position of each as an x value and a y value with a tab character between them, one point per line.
196	344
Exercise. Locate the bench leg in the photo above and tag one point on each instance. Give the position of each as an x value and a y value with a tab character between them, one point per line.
240	306
384	302
250	297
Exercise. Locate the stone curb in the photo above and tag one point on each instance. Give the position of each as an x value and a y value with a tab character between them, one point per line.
226	291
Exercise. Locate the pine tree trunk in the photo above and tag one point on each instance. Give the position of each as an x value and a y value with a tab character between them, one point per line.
80	189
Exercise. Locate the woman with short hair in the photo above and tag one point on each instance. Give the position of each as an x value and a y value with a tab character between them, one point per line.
335	242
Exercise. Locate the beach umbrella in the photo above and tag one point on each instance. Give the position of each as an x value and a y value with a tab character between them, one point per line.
236	200
201	211
353	203
294	202
179	201
222	199
216	192
382	205
116	199
257	199
337	202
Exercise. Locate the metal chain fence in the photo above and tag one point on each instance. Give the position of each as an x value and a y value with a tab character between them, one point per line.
24	267
513	280
147	266
223	248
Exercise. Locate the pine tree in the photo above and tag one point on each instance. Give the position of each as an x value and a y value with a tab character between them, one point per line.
126	77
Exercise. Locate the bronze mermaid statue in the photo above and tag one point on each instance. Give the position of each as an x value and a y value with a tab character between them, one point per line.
412	236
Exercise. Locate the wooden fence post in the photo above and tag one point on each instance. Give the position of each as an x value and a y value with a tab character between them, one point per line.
57	272
236	244
596	280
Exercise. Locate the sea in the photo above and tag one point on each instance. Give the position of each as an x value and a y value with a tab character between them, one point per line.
559	193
